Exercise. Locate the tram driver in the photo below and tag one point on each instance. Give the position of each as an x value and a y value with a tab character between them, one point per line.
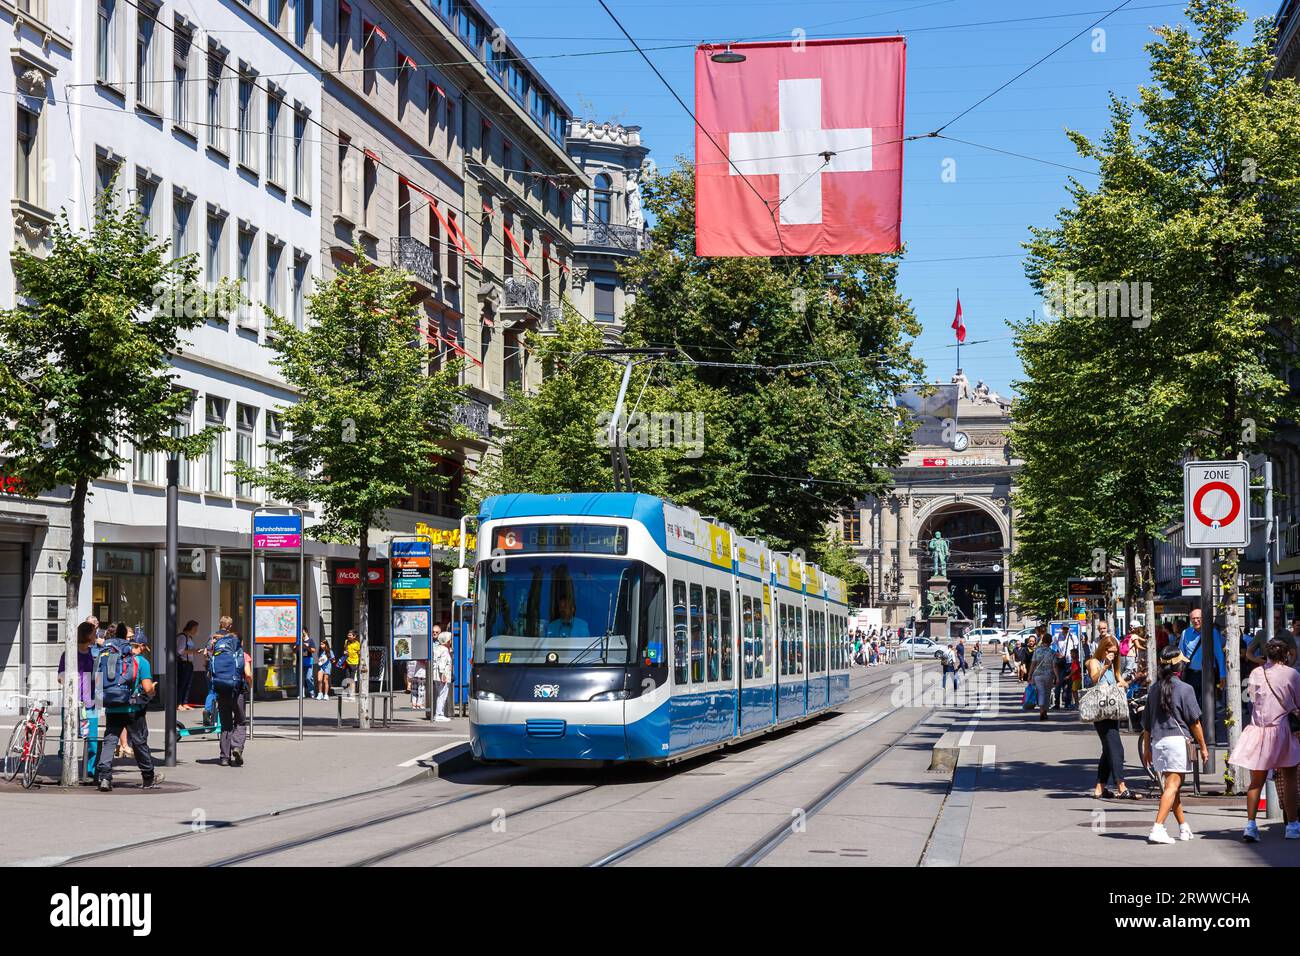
564	624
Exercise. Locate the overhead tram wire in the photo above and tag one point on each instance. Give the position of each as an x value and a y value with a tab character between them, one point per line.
691	113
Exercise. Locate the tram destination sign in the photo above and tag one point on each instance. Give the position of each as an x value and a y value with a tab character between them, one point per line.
571	538
1216	504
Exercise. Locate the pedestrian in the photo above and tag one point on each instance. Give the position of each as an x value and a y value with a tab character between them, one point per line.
976	656
961	654
324	668
185	664
416	673
1101	670
1268	742
352	660
210	716
1066	642
308	662
1190	647
1171	721
120	631
230	670
88	725
124	674
949	660
1006	657
440	671
1076	674
97	642
1042	675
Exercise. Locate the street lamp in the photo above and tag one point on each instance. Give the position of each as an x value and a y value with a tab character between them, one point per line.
728	56
170	670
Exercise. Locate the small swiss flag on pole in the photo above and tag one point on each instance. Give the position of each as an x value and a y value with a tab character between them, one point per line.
958	324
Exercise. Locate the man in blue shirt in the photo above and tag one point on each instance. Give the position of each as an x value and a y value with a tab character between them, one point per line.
1190	646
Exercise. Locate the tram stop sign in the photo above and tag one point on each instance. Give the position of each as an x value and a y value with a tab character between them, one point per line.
1216	504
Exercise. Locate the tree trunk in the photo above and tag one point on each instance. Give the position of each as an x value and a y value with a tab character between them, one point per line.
1232	681
361	620
71	675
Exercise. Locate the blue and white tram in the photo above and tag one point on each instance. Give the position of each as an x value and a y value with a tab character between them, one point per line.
621	627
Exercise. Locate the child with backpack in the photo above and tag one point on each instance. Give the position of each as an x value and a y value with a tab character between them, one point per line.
230	674
124	673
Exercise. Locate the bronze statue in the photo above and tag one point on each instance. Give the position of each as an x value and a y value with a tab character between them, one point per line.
939	549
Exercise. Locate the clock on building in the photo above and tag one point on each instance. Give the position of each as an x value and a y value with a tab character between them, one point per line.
960	441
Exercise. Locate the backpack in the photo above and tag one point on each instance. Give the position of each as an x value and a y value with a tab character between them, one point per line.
119	673
226	671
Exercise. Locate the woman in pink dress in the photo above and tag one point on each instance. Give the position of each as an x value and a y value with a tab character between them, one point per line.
1268	743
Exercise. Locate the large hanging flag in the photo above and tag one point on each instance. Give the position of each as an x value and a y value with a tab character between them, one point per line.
799	148
959	324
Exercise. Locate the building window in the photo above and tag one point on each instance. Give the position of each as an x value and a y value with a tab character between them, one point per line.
369	183
146	200
106	53
852	526
245	427
105	179
274	436
604	300
244	270
600	198
347	179
216	262
453	256
451	124
514	360
343	32
183	428
146	80
274	148
216	111
182	209
28	177
304	15
369	52
274	285
507	160
300	266
275	10
301	158
182	44
247	103
145	464
405	68
215	415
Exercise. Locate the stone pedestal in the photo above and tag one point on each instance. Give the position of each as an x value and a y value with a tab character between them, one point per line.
938	624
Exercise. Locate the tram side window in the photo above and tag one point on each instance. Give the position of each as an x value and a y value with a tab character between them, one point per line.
783	638
697	634
761	647
747	635
797	639
681	649
727	645
821	640
711	626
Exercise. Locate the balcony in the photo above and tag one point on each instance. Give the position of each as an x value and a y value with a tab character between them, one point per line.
523	300
416	258
552	313
626	239
473	414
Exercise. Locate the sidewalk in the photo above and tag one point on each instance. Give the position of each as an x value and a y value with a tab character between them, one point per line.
1031	802
48	823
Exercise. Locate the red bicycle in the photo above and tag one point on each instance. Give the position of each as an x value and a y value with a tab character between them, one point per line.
27	743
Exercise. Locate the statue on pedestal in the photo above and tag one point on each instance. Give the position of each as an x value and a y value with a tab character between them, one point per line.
939	551
941	604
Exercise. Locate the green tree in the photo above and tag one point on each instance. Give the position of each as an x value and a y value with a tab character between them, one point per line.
87	354
1196	211
805	423
371	417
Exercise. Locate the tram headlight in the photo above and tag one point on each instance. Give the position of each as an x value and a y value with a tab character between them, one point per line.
487	695
609	695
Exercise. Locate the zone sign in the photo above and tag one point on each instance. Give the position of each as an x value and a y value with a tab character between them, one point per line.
1216	504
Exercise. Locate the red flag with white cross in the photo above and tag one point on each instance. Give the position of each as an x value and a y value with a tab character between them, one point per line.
799	148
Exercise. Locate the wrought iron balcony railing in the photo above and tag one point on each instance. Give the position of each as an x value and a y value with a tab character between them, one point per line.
523	293
625	238
416	258
473	414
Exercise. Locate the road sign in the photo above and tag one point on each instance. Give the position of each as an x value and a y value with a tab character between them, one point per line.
1216	504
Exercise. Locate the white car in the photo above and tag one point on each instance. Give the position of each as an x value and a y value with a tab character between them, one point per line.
987	635
915	648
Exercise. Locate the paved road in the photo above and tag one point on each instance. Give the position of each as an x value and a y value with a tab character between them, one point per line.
853	784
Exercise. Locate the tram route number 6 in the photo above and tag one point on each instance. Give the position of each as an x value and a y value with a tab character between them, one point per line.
1216	504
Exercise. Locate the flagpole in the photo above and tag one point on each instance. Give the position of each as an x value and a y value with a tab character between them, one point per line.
959	338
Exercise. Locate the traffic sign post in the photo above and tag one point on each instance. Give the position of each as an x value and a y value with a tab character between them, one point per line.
1216	504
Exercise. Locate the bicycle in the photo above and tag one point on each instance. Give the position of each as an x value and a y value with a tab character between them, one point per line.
27	743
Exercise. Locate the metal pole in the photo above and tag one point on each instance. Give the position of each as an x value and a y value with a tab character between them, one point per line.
1209	659
1268	552
302	608
615	449
248	619
171	675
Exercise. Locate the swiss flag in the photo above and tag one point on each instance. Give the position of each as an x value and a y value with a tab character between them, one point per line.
815	129
959	324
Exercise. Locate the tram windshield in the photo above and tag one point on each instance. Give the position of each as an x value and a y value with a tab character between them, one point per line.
570	610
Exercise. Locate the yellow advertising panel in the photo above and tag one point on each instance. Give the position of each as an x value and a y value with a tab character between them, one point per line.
719	546
444	537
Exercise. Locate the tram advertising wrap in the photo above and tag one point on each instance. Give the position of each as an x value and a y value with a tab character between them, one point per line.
621	627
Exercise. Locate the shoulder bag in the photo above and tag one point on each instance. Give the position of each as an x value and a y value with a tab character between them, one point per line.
1102	701
1292	716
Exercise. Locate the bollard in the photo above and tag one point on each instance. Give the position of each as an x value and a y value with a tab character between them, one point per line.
1272	805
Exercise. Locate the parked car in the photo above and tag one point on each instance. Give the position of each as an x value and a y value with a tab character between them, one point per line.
987	635
917	648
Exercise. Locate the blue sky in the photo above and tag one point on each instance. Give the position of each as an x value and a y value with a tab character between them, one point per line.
963	234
